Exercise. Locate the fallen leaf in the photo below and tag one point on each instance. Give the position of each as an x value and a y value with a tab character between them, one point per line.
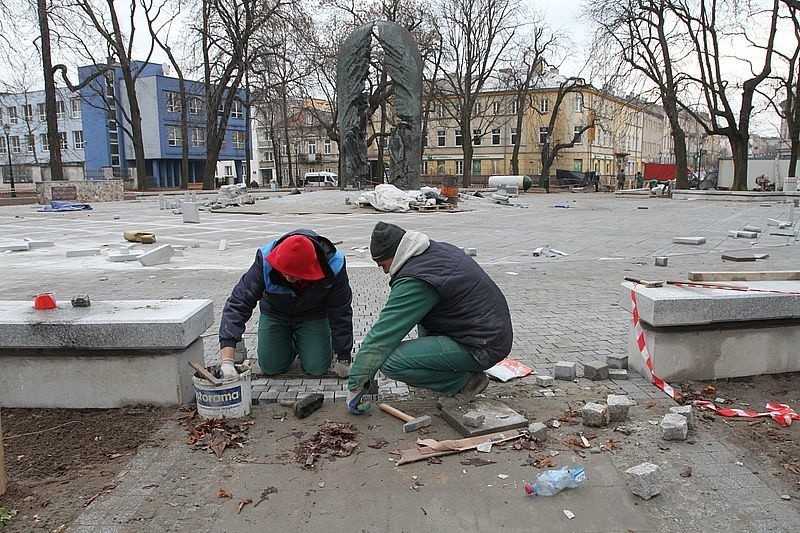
709	389
378	444
794	469
242	504
434	461
222	493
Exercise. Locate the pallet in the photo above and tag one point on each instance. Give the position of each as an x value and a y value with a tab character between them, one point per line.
437	207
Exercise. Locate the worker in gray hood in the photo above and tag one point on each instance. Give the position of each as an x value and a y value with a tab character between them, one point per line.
461	315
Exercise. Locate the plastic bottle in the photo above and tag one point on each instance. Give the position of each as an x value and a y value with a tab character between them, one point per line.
552	482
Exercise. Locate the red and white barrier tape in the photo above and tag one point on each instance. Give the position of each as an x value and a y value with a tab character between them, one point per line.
780	412
637	329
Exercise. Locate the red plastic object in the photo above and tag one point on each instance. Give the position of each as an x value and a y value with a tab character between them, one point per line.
44	301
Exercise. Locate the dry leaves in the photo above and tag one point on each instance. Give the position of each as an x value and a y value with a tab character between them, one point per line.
540	462
242	504
222	493
794	469
378	444
333	438
214	435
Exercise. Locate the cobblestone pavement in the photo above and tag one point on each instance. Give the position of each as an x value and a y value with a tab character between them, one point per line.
564	308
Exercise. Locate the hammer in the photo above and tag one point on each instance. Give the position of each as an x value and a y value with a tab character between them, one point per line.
411	423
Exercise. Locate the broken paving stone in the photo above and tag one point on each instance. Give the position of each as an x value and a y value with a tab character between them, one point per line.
474	419
544	381
644	480
595	415
686	411
538	431
617	373
595	370
566	371
674	427
661	261
617	361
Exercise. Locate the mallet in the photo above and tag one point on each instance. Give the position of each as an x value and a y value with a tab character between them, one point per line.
411	423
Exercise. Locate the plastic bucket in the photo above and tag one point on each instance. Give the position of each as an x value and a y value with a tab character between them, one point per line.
231	399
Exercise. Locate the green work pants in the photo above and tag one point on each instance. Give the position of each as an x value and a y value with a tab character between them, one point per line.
438	363
280	341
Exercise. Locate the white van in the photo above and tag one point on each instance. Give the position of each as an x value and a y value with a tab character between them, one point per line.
320	179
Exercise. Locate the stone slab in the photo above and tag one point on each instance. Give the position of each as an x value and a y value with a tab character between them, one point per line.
15	247
739	257
497	417
97	379
84	252
191	213
119	324
677	306
783	232
33	243
123	257
689	240
679	354
157	256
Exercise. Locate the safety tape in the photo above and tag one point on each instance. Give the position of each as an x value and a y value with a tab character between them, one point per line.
780	412
639	333
727	287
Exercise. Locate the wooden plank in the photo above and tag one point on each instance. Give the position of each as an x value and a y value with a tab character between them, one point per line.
2	464
773	275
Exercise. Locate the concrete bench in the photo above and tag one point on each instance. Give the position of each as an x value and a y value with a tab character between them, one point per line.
111	354
699	333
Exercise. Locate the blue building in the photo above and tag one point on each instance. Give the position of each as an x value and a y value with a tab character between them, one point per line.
109	151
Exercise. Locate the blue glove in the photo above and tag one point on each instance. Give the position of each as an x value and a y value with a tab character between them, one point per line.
354	404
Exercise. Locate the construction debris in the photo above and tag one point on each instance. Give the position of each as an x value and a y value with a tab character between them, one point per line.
333	439
214	435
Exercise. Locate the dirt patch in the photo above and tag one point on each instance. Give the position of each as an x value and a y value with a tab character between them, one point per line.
774	451
58	459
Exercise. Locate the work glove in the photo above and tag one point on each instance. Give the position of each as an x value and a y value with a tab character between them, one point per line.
354	404
342	365
228	370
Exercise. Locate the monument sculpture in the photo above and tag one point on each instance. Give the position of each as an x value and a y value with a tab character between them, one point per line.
403	65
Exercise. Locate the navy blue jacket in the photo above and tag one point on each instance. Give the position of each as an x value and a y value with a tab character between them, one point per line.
471	309
329	298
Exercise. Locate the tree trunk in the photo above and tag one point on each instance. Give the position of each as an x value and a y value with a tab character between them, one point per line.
739	149
466	137
794	153
184	134
53	138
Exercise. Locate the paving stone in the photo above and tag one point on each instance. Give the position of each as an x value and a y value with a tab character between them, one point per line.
644	480
618	406
157	256
124	256
84	252
686	411
689	240
616	374
661	261
595	415
756	229
544	381
474	419
268	397
285	398
538	431
747	234
15	247
191	213
38	244
595	370
565	371
674	427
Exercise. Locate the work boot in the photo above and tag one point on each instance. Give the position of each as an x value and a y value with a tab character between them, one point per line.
476	384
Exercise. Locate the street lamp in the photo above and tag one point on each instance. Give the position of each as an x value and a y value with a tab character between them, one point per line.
7	130
700	156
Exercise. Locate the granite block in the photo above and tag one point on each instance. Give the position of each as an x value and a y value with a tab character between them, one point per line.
644	480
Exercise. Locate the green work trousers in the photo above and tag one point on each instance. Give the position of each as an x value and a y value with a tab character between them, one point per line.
437	362
280	341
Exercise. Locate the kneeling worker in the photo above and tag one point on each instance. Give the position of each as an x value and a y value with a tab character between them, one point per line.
462	318
300	283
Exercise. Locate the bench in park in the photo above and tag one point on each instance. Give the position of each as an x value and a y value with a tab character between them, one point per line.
110	354
706	333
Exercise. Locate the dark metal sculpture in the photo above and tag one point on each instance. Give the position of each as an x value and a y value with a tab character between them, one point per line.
403	65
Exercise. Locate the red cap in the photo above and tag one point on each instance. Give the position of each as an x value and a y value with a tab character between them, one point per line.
296	256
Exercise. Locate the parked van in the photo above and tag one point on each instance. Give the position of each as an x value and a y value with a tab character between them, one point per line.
320	179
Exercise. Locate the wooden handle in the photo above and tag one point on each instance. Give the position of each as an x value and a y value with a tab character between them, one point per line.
203	371
395	412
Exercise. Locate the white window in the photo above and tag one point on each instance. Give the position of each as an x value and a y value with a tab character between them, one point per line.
478	109
28	109
77	139
544	133
238	140
576	130
577	103
439	110
12	115
45	143
513	135
459	138
476	137
513	107
284	149
460	167
441	138
228	171
173	102
76	107
544	105
61	109
312	146
198	137
269	155
496	108
174	137
62	136
1	115
309	119
30	141
237	111
496	136
42	110
3	148
326	146
15	148
195	105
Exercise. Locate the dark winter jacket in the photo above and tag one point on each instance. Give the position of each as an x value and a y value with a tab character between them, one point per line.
330	297
471	309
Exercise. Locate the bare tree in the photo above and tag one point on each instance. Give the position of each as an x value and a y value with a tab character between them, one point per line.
786	101
475	36
643	35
